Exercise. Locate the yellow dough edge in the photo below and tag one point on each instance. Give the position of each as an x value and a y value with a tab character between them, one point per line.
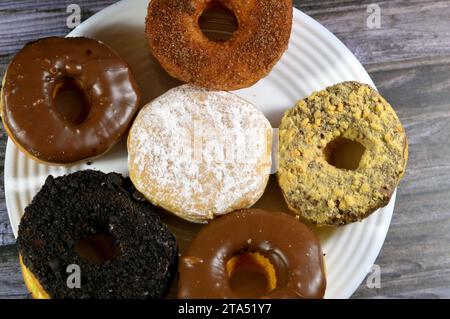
31	282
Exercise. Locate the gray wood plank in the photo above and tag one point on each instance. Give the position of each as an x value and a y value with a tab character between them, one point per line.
409	29
11	282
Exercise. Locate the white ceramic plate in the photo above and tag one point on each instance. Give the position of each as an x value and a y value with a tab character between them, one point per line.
315	59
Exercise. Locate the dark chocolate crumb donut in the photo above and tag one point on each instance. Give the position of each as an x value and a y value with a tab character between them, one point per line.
69	209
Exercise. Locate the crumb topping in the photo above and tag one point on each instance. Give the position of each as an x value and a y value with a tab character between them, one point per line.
321	192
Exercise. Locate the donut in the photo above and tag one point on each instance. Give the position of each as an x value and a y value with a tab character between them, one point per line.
32	284
177	42
199	153
100	223
342	153
253	254
67	99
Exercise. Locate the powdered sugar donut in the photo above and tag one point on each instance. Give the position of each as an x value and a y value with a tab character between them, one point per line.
199	153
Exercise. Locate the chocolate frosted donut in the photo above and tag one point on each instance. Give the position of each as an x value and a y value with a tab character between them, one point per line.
177	42
276	245
67	99
100	223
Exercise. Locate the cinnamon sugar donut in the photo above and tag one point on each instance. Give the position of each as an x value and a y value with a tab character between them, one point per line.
177	42
200	153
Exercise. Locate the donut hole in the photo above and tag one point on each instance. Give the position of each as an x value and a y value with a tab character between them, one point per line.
71	101
217	22
251	275
344	153
98	248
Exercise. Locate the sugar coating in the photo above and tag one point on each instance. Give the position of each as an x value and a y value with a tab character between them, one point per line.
200	153
177	42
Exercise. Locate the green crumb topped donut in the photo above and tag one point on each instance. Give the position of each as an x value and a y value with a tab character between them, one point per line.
342	153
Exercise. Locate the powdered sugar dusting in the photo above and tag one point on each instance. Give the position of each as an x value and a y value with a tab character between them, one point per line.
200	153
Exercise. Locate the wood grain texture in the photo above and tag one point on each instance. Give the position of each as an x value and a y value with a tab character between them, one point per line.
409	60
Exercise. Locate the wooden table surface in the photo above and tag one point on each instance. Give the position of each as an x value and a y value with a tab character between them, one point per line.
408	57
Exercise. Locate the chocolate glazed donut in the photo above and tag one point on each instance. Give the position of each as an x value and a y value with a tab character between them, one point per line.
177	42
67	99
279	242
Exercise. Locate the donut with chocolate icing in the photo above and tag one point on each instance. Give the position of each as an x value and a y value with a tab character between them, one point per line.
253	254
177	41
67	99
100	223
